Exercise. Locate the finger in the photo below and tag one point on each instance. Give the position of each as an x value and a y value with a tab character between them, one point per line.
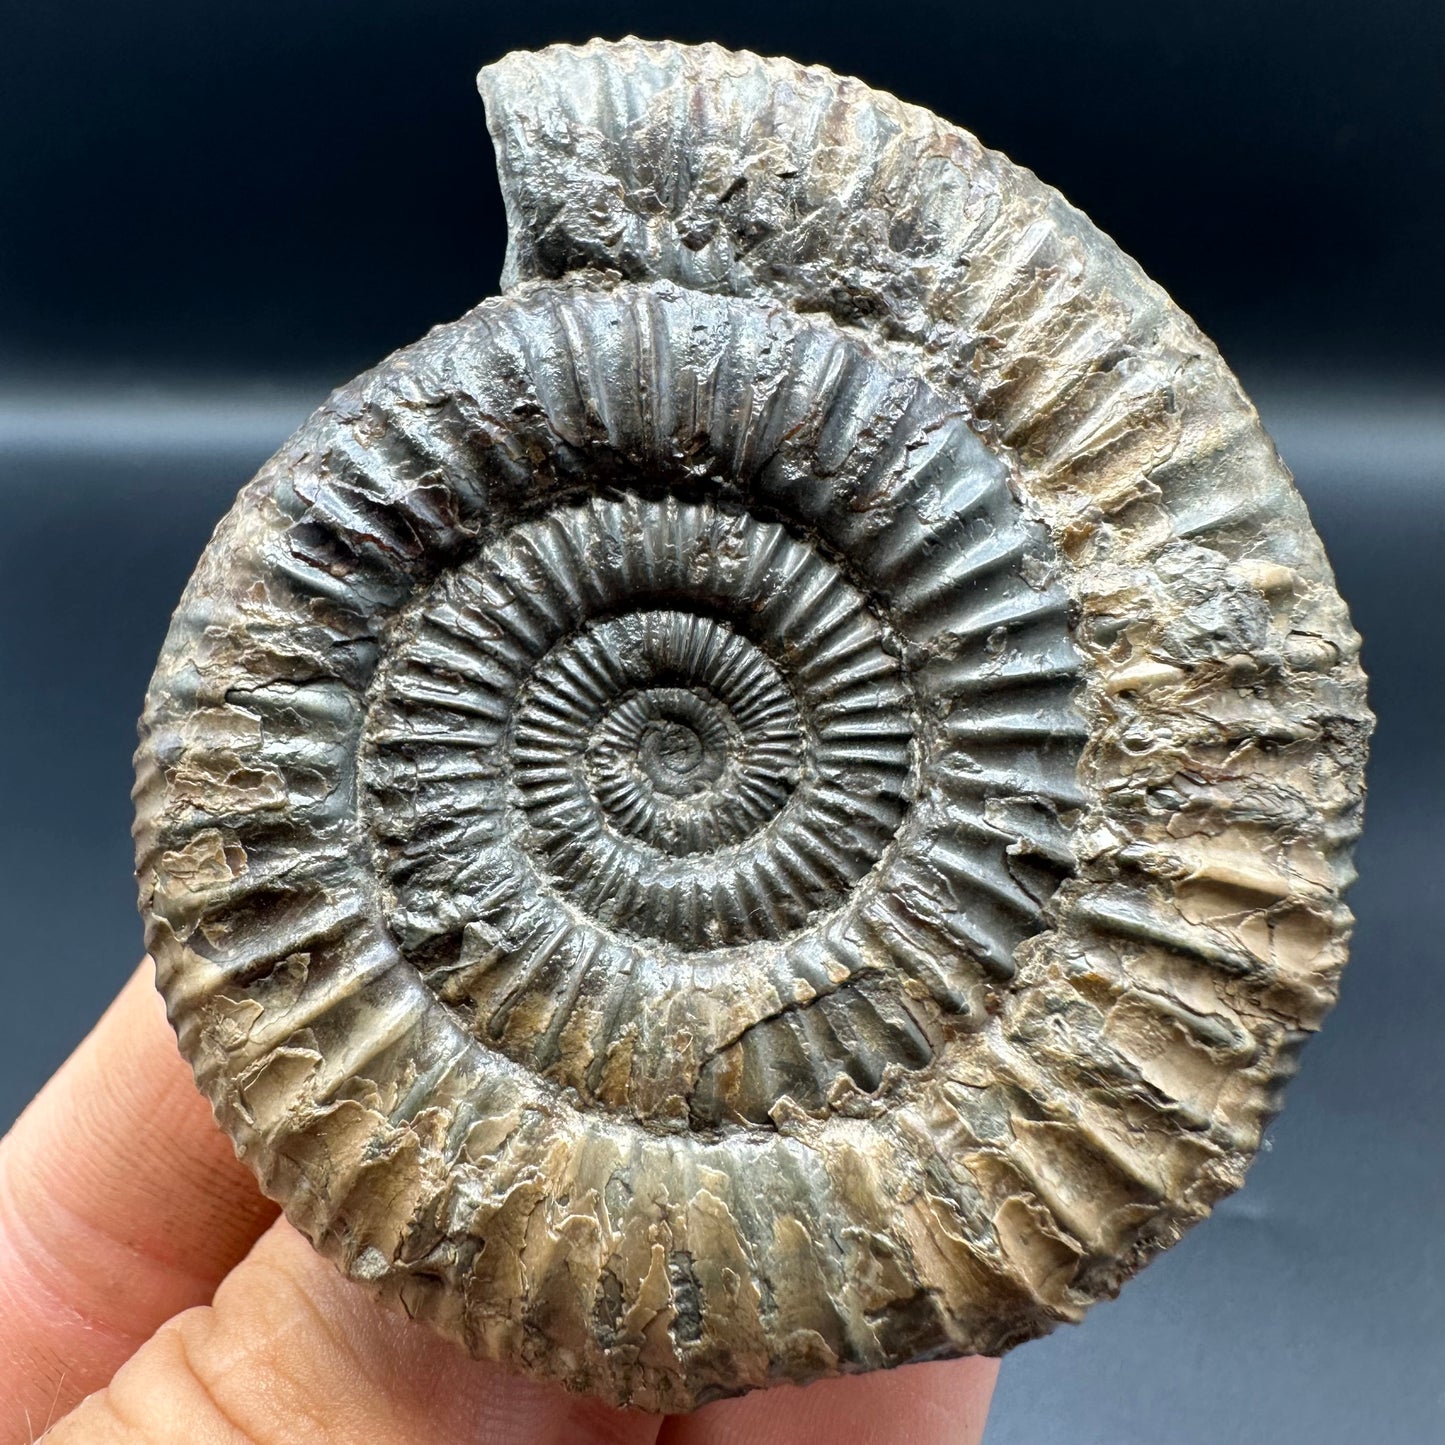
943	1403
121	1203
289	1350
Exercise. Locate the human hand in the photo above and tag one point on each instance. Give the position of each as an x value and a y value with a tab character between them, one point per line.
139	1261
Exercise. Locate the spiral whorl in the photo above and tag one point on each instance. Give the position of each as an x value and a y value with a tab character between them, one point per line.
773	800
714	727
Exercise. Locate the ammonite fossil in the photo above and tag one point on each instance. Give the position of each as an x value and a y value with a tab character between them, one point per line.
774	799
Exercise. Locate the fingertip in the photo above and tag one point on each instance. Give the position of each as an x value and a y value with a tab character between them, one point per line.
290	1348
942	1402
121	1203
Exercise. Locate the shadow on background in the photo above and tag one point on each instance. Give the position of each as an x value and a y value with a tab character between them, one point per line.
265	191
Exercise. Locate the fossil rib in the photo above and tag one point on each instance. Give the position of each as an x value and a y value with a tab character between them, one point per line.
773	800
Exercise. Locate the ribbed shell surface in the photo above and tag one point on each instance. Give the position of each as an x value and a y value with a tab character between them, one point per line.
775	799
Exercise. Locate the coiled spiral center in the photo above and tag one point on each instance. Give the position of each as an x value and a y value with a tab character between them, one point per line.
683	725
699	752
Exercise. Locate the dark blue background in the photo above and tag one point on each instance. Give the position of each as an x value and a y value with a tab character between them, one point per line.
210	214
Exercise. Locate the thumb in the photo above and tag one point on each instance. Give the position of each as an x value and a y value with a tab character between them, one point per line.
290	1350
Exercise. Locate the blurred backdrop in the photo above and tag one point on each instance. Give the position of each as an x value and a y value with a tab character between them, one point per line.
212	214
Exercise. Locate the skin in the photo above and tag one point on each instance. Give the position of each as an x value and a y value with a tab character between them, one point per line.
149	1293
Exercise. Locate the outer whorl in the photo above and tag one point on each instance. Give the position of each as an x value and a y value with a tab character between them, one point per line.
773	800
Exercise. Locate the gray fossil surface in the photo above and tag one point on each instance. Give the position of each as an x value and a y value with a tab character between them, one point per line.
773	800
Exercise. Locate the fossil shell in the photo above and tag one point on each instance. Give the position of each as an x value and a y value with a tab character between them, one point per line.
773	800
